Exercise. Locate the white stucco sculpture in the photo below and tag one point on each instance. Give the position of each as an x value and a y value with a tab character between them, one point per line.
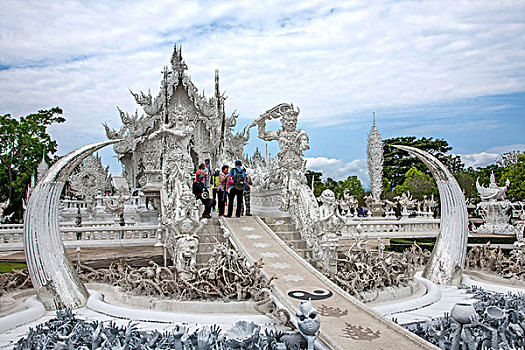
54	278
494	208
448	257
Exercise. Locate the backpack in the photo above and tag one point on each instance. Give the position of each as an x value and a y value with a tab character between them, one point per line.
238	179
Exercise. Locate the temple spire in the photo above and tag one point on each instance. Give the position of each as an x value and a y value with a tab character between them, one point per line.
42	167
375	159
177	63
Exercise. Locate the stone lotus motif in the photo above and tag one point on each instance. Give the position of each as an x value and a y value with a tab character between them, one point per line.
242	334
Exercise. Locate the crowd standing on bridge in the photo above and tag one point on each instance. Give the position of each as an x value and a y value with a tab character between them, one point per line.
227	185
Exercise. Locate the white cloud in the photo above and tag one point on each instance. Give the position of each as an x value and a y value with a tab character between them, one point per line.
483	159
479	160
338	169
332	60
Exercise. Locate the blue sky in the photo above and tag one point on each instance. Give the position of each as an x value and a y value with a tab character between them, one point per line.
446	69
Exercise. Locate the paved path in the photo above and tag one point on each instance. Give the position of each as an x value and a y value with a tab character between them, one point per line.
345	322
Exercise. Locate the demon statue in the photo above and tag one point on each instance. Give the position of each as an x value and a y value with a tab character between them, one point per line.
292	143
296	196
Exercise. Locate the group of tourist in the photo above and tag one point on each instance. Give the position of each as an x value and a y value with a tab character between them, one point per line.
227	185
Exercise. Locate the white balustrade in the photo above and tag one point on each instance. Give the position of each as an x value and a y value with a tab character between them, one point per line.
92	231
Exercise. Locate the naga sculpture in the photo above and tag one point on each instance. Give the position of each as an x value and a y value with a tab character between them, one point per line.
448	257
54	278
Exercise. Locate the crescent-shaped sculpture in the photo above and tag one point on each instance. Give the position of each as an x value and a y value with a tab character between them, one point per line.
56	282
448	257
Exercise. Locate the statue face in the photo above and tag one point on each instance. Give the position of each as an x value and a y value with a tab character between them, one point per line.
307	318
186	226
188	247
328	196
289	123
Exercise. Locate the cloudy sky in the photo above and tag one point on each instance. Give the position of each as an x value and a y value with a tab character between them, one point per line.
446	69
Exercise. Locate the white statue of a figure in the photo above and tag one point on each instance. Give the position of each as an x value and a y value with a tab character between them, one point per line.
292	143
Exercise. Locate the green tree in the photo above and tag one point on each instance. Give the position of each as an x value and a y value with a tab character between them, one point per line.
515	172
467	182
397	162
352	183
314	176
23	141
418	183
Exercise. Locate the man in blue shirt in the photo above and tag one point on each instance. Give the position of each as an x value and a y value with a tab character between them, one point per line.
238	175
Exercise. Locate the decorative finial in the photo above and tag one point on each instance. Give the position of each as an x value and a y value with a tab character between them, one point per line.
177	63
492	177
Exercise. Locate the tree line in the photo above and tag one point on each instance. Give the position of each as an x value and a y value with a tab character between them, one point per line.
402	172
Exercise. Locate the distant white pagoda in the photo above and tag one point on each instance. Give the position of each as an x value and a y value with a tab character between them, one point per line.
374	151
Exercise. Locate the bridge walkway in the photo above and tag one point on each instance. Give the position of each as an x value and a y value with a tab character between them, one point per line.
346	323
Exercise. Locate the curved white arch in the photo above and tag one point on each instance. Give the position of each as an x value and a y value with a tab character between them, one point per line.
56	282
448	257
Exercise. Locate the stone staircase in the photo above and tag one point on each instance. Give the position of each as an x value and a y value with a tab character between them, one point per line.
285	229
211	231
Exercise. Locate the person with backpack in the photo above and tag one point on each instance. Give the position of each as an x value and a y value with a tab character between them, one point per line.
238	175
247	191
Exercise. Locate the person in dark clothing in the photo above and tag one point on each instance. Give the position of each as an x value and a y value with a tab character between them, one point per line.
198	190
237	188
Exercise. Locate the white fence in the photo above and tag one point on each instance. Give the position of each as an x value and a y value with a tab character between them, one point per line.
412	227
12	236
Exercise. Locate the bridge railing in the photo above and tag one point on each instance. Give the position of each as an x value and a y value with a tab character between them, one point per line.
87	232
391	228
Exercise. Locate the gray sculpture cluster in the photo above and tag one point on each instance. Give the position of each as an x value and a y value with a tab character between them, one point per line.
493	260
18	279
496	321
227	275
362	271
68	332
